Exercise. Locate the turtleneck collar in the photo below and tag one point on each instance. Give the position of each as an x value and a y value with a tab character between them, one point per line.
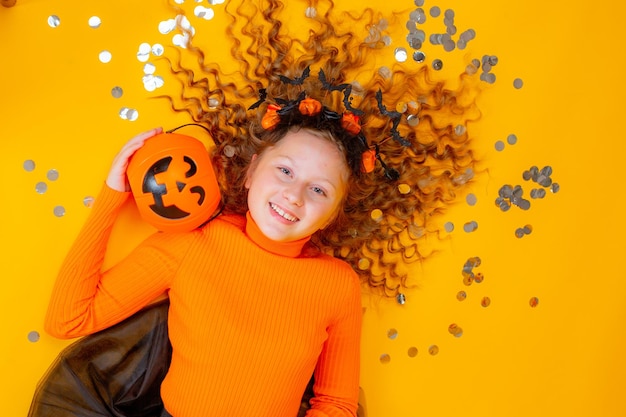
288	249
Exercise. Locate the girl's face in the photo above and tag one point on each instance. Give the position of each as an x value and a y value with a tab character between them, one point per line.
296	187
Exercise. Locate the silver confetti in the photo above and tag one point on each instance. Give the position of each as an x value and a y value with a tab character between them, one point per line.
54	21
59	211
401	298
41	187
117	92
29	165
52	175
94	22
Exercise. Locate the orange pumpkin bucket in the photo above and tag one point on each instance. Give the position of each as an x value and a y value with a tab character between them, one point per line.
173	182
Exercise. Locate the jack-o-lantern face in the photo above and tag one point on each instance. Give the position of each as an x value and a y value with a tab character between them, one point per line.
173	182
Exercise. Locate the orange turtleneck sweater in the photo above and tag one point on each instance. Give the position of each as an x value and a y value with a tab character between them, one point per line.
250	319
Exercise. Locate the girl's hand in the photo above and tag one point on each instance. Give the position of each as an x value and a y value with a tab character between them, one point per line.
117	179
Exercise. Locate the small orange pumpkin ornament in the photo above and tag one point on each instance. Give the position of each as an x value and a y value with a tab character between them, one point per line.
368	160
173	182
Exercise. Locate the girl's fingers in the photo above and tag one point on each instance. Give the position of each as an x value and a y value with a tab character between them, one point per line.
117	174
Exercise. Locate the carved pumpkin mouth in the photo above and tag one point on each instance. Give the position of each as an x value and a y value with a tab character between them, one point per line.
159	188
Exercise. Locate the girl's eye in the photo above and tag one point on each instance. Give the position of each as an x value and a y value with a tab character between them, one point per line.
318	190
285	171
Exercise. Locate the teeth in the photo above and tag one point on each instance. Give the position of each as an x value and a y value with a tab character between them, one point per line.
282	213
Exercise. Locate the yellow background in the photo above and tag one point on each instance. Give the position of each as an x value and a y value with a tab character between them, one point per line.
563	357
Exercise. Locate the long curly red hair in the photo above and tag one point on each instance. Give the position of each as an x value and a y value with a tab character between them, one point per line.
383	221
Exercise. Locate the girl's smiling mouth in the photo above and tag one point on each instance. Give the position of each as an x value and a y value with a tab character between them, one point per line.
283	214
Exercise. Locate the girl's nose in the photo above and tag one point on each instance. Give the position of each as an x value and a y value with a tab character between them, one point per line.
293	196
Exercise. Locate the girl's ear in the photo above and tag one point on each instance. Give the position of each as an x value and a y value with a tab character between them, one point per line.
250	171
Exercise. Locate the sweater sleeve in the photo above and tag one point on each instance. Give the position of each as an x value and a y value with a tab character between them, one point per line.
86	299
336	387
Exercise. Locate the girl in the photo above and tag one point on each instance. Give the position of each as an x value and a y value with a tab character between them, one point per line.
311	163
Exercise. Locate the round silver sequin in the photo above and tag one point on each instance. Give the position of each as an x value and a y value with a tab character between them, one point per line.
471	199
157	49
392	334
229	151
105	57
485	302
128	114
33	336
523	204
419	56
205	13
400	54
433	350
470	226
449	45
459	130
518	83
547	171
385	358
310	12
461	295
412	120
418	16
435	11
448	227
149	68
555	187
152	82
437	64
117	92
166	26
59	211
41	187
499	146
412	352
511	139
488	77
401	299
29	165
467	35
94	22
88	201
52	175
54	21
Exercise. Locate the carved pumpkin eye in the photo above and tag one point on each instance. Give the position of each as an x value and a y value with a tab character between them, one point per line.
173	182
